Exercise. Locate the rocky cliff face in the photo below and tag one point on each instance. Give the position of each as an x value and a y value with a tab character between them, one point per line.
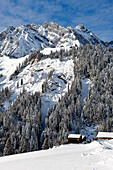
21	41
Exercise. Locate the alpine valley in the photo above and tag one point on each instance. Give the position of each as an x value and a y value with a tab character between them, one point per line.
53	81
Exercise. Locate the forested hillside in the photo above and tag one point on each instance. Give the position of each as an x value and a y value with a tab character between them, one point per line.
95	63
21	127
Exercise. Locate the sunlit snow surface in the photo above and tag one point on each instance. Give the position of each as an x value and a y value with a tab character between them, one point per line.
93	156
86	83
35	74
33	77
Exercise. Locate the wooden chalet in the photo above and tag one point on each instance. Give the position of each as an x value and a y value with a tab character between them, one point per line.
75	138
104	136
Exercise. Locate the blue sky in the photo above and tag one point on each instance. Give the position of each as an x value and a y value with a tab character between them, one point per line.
96	15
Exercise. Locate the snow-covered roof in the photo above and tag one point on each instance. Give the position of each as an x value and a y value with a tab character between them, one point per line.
105	135
74	136
83	137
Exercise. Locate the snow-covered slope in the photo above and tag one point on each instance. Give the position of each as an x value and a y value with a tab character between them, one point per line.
17	43
20	41
34	75
96	155
88	37
68	37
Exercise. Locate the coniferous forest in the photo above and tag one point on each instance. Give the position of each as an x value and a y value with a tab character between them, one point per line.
21	126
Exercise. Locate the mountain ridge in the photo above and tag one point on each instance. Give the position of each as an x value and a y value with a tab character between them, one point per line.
20	41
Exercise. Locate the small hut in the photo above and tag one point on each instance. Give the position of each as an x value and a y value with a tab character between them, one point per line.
75	138
104	136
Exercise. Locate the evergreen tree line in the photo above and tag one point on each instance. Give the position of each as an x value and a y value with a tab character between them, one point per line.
63	117
21	125
95	63
61	54
36	55
5	94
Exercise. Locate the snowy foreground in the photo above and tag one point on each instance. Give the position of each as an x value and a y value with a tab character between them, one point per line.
93	156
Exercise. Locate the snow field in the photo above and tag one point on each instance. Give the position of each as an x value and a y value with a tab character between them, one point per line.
93	156
33	77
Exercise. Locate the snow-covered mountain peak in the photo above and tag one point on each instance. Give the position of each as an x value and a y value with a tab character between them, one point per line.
80	27
23	40
88	36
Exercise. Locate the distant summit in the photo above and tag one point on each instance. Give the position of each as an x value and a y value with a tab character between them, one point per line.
80	27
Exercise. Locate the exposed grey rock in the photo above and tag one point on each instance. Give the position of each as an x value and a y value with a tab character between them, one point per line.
18	42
